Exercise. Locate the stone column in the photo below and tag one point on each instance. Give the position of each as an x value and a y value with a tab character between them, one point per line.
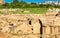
36	26
47	30
56	30
44	30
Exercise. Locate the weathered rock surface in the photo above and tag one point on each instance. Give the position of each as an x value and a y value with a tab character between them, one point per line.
30	25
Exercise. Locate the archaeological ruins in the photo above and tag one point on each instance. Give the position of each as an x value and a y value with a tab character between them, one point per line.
31	25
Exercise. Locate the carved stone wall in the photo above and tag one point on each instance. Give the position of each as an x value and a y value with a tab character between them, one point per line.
30	26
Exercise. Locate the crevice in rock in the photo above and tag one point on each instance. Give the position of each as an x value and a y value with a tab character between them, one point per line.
30	22
18	20
40	22
32	29
56	14
11	24
0	28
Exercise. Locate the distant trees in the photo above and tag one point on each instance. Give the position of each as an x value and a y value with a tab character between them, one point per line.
15	2
22	4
